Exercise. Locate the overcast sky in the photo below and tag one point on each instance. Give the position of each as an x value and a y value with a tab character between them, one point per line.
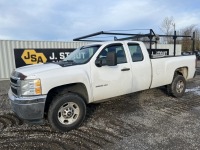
68	19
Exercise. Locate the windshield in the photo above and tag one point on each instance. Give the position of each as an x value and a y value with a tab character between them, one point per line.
82	55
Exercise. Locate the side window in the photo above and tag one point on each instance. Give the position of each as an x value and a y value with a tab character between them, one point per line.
118	49
136	52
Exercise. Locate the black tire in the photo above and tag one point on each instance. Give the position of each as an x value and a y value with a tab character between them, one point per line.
66	112
177	87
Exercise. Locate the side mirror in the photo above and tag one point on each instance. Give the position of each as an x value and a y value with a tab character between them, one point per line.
98	62
111	59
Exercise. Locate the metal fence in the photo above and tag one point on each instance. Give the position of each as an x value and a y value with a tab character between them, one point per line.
7	62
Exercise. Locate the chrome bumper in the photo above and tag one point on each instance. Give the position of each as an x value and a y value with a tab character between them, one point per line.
28	108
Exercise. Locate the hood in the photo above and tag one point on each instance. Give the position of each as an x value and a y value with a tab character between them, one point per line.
38	68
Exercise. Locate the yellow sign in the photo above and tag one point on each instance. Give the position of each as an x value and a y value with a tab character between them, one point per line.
30	56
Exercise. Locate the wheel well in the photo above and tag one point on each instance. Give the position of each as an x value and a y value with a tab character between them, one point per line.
78	88
182	71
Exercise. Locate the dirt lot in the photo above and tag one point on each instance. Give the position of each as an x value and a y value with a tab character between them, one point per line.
144	120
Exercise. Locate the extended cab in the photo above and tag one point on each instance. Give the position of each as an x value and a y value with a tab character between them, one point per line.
91	74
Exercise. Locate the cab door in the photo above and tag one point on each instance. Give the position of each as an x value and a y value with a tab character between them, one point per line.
140	67
111	81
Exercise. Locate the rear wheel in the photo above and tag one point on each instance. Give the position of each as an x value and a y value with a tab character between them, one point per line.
66	112
177	87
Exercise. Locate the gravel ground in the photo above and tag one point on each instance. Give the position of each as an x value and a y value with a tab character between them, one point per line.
144	120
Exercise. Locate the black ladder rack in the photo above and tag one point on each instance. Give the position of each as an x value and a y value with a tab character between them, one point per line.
152	37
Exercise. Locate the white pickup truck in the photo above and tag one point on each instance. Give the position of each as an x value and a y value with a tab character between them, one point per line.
92	74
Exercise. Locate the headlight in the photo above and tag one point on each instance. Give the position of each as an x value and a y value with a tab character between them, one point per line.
31	87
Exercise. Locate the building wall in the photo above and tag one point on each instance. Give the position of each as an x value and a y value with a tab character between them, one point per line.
7	62
168	46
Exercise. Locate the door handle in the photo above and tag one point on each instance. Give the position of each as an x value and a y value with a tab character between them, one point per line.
125	69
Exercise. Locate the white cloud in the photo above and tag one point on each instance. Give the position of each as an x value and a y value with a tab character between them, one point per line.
188	19
67	19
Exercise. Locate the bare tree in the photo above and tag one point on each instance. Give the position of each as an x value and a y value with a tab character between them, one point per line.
186	41
197	38
167	27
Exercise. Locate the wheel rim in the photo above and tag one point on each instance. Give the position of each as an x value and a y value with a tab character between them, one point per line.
68	113
180	86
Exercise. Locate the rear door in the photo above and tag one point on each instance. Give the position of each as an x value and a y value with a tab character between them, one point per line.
111	81
140	67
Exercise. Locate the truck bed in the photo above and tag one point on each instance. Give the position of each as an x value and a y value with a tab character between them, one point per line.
164	67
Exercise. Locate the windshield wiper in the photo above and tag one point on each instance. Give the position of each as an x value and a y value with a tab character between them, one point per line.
72	61
65	63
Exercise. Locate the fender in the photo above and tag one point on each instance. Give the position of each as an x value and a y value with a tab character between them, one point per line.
66	75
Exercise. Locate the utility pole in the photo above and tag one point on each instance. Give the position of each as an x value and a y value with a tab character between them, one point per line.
174	25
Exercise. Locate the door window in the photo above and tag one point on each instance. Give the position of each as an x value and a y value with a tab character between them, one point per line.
136	52
118	49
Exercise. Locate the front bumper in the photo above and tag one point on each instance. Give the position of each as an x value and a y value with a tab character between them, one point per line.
28	108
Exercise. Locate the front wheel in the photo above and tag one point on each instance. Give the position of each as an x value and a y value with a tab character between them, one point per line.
177	87
66	112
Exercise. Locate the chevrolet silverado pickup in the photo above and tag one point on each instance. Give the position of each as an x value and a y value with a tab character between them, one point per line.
91	74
